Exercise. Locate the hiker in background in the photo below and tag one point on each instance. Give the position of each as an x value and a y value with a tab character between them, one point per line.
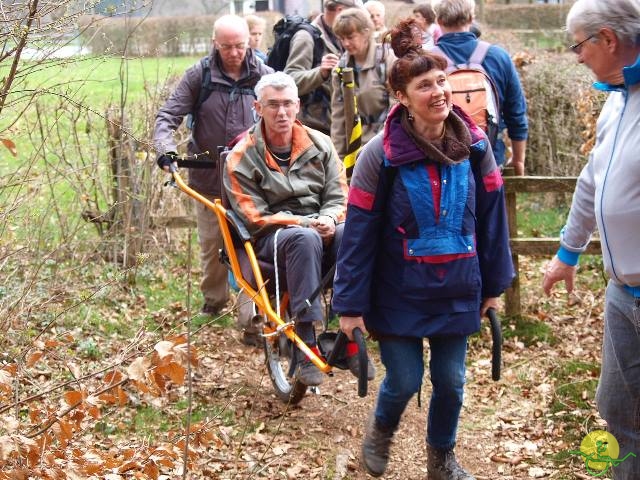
425	17
257	26
376	11
455	18
217	92
371	62
316	79
607	197
425	253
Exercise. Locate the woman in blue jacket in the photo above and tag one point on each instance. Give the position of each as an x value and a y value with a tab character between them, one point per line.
425	252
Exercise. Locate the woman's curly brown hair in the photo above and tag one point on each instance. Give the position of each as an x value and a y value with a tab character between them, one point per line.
412	60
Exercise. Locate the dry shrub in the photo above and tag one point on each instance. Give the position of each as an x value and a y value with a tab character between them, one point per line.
396	11
562	109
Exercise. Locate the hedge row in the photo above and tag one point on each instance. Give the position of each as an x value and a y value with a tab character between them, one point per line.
562	109
529	17
155	36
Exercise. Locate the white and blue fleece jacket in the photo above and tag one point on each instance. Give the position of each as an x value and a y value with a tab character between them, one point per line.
607	194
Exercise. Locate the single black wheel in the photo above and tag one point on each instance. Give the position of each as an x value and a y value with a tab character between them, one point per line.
277	352
496	348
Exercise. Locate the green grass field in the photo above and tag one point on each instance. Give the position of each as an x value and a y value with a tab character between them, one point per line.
100	78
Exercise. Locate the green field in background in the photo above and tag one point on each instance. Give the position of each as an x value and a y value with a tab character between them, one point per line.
96	80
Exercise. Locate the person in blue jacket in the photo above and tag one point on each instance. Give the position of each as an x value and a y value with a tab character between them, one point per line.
458	42
425	252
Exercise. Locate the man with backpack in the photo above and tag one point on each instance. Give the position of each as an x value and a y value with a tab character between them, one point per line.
459	45
313	76
217	95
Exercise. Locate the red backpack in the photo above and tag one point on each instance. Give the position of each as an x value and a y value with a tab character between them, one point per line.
474	91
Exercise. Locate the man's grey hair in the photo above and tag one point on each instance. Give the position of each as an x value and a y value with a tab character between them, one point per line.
454	13
376	4
277	80
621	16
232	22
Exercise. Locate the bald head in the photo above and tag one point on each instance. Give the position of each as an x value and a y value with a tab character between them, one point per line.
232	24
231	40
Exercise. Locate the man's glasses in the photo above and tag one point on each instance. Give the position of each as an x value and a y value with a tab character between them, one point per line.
577	48
236	46
275	106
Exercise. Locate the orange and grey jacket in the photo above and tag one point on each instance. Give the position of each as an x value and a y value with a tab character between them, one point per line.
266	198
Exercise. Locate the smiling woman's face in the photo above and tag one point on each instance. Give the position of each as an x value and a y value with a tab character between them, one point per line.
428	97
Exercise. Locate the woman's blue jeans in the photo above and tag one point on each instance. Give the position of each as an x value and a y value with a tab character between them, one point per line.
403	359
618	395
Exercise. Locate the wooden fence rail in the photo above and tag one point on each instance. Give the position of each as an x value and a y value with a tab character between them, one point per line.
532	246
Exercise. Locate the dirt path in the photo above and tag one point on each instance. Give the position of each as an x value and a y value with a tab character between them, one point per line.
509	429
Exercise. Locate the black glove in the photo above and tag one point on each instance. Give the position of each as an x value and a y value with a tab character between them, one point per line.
165	160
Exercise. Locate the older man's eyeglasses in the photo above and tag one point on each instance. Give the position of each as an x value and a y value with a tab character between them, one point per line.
228	47
275	106
577	47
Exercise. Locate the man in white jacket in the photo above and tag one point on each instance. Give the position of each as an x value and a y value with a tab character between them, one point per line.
607	196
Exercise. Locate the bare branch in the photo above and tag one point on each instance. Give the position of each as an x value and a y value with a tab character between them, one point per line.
8	80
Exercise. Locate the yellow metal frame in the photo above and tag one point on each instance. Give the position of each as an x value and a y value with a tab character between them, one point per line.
259	295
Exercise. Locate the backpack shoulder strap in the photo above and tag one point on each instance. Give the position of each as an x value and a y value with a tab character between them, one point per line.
205	91
450	65
205	85
479	53
318	44
381	63
381	69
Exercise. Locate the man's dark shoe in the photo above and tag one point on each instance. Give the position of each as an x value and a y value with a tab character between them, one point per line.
213	309
252	338
375	447
354	367
442	465
308	374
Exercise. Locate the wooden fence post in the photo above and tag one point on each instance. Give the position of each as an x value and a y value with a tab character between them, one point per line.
536	245
128	210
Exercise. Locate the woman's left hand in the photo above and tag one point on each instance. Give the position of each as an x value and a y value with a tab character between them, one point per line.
348	324
487	303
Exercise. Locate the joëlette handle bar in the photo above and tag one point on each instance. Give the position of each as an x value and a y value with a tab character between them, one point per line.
338	349
496	347
259	295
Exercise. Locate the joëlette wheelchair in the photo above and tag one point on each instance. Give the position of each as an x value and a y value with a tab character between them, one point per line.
258	281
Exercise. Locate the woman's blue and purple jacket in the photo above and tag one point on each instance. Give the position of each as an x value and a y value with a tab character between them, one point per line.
424	241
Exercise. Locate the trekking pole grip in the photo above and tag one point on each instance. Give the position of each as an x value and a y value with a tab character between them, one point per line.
496	347
358	337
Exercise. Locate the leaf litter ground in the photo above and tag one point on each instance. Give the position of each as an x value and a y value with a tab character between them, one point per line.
523	426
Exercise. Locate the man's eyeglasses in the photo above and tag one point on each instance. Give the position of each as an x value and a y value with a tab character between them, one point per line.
236	46
275	106
577	48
